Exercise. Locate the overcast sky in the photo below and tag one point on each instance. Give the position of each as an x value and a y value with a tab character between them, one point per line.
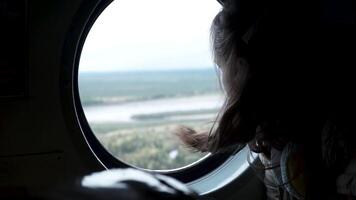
150	35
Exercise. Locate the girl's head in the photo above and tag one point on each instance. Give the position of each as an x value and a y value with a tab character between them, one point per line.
287	74
275	83
249	46
232	34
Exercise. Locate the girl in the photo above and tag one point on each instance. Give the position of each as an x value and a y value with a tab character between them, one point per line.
286	71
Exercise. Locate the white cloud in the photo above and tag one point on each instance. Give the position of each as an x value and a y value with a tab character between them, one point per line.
154	34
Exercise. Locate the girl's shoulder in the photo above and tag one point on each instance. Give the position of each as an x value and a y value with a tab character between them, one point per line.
346	182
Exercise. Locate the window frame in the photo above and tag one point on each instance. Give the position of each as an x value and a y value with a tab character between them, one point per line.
83	20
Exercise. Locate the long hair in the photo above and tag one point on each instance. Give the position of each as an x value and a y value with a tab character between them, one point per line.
274	81
231	129
287	73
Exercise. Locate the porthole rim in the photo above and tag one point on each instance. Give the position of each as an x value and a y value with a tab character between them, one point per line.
82	23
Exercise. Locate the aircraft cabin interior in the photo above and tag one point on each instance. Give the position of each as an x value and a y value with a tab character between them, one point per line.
92	92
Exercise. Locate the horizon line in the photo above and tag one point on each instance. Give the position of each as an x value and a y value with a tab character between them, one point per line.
147	70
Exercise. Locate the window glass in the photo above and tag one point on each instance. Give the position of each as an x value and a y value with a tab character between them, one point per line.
145	69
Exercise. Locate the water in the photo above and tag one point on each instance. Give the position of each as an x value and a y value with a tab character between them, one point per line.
133	114
123	97
163	109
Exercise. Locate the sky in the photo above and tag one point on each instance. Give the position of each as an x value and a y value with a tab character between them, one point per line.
150	35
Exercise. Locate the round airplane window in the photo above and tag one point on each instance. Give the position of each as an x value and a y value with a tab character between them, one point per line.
145	69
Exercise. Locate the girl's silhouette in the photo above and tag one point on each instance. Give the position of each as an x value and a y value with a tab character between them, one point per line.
286	72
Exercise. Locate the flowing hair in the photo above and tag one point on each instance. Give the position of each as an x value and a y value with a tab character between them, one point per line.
287	74
235	124
274	82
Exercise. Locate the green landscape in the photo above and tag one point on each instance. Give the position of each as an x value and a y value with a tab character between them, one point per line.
135	114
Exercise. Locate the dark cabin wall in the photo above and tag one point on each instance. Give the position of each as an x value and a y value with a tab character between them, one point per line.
37	147
40	146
